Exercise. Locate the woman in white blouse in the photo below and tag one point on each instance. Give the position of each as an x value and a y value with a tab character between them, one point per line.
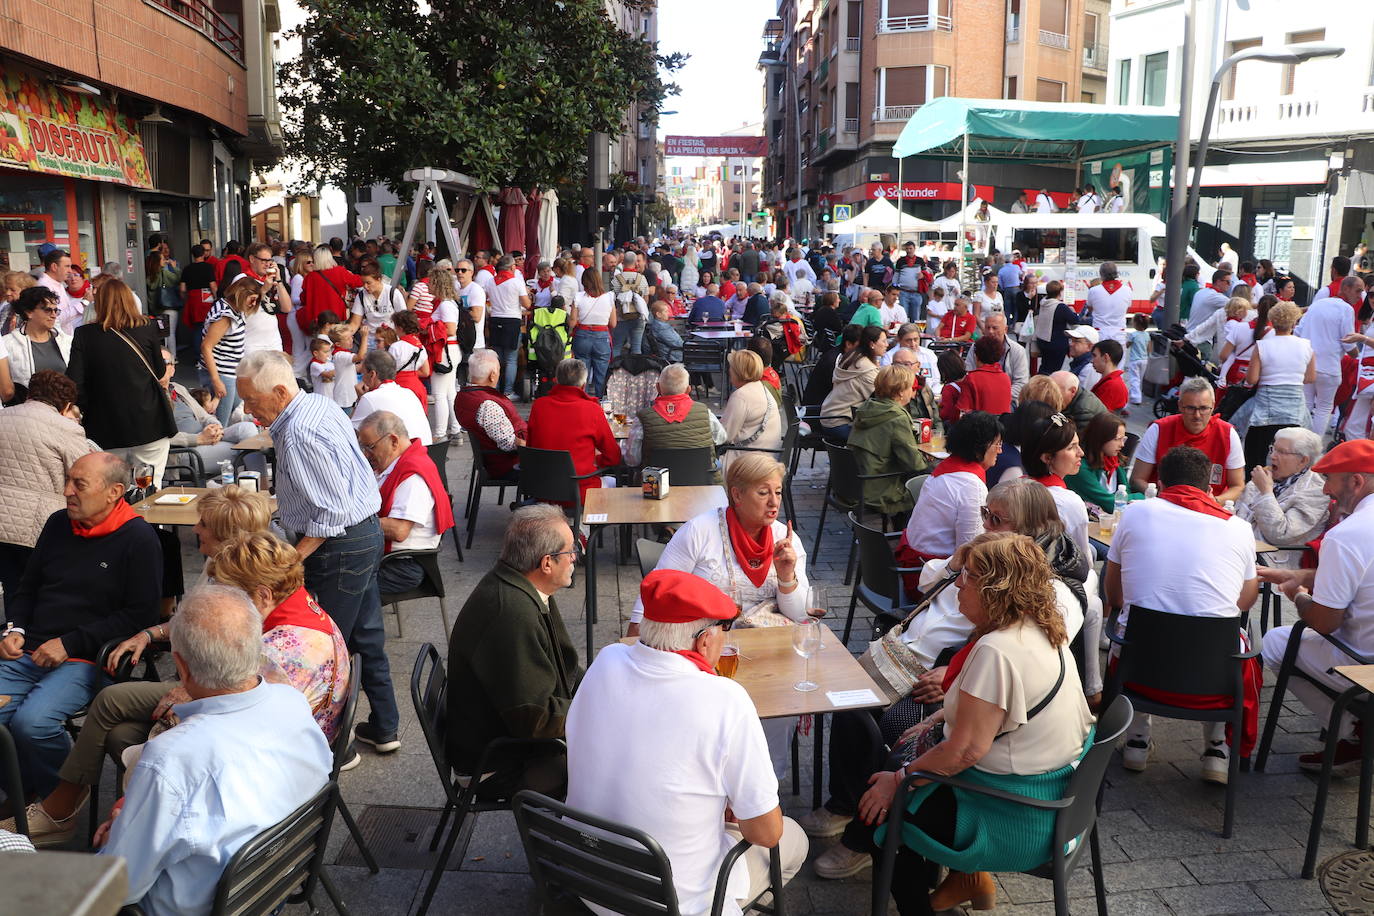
949	511
752	417
592	318
1051	452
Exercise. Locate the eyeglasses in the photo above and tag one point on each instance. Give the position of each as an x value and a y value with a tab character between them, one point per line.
1203	408
368	448
49	309
1275	450
463	270
725	625
990	517
564	553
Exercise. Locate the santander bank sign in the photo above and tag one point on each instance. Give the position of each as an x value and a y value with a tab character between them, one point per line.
929	190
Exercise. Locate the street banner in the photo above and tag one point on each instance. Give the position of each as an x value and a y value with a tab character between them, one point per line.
748	147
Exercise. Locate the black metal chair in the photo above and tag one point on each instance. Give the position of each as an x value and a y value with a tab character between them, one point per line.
687	467
1355	701
649	552
477	482
1075	823
1176	653
879	582
703	359
124	671
431	586
429	693
614	865
282	864
13	784
844	490
342	747
548	476
438	453
185	467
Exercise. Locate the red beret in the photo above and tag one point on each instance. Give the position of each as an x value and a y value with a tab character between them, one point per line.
1354	456
673	596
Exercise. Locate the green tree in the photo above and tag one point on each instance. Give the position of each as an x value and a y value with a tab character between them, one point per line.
506	92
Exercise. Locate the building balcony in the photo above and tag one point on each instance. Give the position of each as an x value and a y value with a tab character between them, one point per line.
894	112
1054	40
823	71
1013	35
202	16
851	44
915	24
1095	57
851	125
1334	113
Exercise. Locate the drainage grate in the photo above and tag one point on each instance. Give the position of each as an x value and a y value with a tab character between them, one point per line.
398	837
1348	882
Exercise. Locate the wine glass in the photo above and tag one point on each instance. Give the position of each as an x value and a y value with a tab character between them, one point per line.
806	642
143	481
816	606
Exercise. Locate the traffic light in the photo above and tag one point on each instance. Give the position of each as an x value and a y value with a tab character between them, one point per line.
825	216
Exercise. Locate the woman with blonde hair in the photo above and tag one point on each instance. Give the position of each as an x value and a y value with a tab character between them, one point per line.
752	417
443	383
228	512
116	362
1042	388
302	265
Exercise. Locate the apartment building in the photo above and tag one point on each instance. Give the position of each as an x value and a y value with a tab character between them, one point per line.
847	75
124	118
1290	171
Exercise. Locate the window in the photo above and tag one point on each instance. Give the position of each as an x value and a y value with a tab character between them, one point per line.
1094	55
365	195
1290	71
1123	82
1089	29
1049	91
1154	77
1046	246
1011	88
1229	92
851	100
907	87
854	23
1054	16
1088	98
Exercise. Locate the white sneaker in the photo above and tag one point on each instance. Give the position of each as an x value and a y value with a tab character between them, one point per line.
1136	754
45	830
839	861
824	823
1216	765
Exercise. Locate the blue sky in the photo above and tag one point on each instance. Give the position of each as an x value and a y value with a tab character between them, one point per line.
722	88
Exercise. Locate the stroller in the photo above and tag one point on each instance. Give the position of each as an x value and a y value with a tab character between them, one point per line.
1190	363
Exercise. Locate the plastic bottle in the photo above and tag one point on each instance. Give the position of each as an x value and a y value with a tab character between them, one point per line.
1230	506
1151	491
226	473
1121	501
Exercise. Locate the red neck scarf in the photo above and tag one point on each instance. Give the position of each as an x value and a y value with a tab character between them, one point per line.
1111	286
1249	280
488	268
1110	466
956	664
320	362
1193	499
754	557
412	339
1051	480
770	375
415	461
504	275
339	349
696	658
673	407
545	284
121	514
953	465
298	610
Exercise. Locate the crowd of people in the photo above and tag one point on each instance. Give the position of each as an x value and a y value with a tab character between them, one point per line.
988	418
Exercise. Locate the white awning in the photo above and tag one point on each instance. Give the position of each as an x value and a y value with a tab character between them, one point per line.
1252	174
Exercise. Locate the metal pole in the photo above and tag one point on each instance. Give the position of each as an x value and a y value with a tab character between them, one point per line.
1180	220
796	116
900	198
963	210
1200	157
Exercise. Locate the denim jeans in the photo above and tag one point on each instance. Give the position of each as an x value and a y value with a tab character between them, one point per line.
399	575
342	574
594	349
503	336
628	329
40	700
912	303
231	395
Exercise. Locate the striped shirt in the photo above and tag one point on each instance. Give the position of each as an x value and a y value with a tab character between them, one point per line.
324	484
424	299
229	350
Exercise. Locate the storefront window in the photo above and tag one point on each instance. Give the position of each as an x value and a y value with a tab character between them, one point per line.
35	208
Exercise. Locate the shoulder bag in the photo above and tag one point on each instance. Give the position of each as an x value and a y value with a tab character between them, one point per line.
169	424
890	661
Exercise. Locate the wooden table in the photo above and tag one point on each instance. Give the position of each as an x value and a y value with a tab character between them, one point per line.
71	883
769	669
1106	539
1360	675
627	506
188	514
935	448
256	443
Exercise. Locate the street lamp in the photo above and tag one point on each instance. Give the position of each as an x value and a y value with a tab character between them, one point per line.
770	59
1178	234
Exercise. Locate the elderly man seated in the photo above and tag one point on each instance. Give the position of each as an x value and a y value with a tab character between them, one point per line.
1336	599
95	575
1284	502
490	417
1080	404
674	420
1197	425
379	378
1146	569
568	419
909	339
512	668
702	776
245	754
416	510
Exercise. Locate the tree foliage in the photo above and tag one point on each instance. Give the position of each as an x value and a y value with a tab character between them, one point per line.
506	92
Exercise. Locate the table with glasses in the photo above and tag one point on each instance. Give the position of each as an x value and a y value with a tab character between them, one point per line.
935	448
733	338
179	506
770	668
1105	539
608	506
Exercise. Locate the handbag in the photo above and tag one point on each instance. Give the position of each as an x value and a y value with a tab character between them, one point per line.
889	661
169	418
1235	396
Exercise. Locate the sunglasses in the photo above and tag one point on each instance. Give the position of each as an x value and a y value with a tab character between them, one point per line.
48	309
990	517
725	625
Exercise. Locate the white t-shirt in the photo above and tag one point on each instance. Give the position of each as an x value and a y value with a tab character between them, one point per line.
345	379
986	305
412	502
504	300
948	514
1109	310
1235	458
1345	576
377	312
1202	581
260	332
1089	203
1205	302
1073	512
927	364
474	296
446	311
1284	359
402	402
696	747
1326	322
1241	337
486	279
892	314
321	386
594	310
409	358
1044	203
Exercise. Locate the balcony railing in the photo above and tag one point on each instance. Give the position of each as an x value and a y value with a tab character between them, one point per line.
851	125
202	16
823	70
894	112
1013	35
916	24
1095	57
1239	117
851	44
1054	40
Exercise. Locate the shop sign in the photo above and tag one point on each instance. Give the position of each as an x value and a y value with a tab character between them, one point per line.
741	147
914	190
47	129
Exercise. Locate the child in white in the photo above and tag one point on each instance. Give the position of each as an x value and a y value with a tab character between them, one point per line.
322	367
345	372
1137	354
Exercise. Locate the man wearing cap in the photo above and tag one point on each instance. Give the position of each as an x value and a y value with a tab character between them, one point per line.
1195	424
1335	599
659	742
1082	339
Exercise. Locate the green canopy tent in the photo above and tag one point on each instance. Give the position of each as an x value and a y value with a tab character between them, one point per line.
1002	130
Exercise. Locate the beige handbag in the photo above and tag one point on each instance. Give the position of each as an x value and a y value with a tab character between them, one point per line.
890	662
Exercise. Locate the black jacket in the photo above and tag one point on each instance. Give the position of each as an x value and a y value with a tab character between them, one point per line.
122	402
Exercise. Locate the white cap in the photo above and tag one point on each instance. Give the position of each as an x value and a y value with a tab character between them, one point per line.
1084	331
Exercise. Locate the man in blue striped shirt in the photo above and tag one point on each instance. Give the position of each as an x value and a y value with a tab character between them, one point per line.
327	496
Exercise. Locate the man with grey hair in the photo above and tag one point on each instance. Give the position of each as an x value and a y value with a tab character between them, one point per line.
568	419
379	378
94	575
1195	424
657	741
490	416
1110	301
512	667
473	296
327	502
631	292
508	303
674	420
1080	404
244	754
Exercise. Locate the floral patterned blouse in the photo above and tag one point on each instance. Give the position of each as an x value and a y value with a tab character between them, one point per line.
302	646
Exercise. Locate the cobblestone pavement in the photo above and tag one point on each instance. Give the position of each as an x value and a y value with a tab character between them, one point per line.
1160	829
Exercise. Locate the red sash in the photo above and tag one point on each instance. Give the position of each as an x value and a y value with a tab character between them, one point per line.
954	465
673	408
696	658
1194	500
415	460
299	610
120	514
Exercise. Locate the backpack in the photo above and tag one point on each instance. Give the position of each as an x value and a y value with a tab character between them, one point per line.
549	348
467	329
434	338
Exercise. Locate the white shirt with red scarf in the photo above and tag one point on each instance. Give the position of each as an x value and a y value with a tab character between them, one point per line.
413	503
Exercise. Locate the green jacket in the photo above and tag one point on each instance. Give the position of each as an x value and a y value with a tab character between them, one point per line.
512	669
1087	483
866	315
883	441
1084	406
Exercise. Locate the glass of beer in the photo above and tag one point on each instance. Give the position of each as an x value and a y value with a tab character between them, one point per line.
1106	523
729	661
143	476
921	324
620	419
816	605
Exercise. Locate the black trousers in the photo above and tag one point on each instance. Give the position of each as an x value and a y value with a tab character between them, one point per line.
913	875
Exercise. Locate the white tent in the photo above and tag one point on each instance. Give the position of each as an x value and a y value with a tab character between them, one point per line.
952	222
881	217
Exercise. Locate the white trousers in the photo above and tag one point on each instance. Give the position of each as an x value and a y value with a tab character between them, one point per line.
1321	400
1357	424
1135	369
1316	657
443	419
792	849
154	453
